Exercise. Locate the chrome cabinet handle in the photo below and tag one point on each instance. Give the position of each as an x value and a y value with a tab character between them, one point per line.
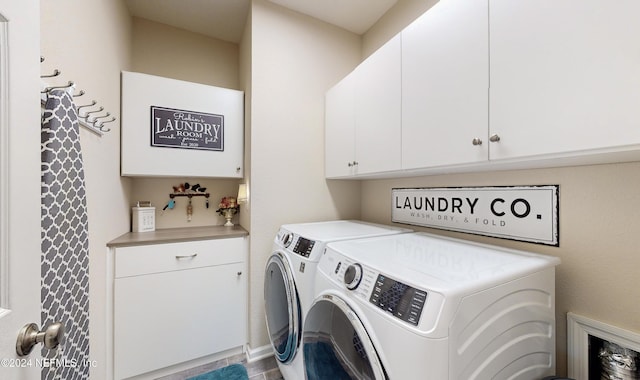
180	257
476	141
494	138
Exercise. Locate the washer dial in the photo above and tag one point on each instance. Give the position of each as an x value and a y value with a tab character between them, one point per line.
287	239
353	276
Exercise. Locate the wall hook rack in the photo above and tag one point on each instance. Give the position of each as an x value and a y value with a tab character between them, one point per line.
95	124
172	195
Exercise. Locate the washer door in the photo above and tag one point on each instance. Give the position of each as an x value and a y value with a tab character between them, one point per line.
282	308
336	345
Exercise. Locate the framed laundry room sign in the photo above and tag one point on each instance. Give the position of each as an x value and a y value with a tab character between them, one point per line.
524	213
174	128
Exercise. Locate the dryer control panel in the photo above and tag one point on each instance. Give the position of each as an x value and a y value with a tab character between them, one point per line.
398	299
394	297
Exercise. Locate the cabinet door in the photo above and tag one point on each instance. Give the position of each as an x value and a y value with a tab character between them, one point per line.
445	81
340	133
177	128
565	76
167	318
378	110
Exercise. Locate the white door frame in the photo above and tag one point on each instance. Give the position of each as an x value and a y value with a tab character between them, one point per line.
20	186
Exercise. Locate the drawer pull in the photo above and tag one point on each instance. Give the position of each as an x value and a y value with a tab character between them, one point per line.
180	257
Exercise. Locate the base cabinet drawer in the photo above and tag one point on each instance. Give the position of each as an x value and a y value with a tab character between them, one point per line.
157	258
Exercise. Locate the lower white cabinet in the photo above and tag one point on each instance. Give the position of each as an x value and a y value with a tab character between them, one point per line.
177	302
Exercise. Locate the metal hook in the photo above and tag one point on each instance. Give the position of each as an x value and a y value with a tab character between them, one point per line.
47	89
56	72
79	94
101	126
98	117
93	103
86	115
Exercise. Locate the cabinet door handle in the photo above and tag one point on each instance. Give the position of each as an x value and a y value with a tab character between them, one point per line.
476	141
180	257
494	138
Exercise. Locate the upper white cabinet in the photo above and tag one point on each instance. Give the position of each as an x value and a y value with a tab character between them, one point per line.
340	128
378	109
495	84
445	81
177	128
363	116
565	76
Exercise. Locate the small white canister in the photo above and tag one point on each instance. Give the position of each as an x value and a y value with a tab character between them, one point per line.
143	219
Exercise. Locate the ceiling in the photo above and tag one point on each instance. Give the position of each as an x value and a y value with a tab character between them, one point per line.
225	19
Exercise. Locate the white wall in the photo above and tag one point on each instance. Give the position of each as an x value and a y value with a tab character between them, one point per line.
295	59
89	41
392	22
171	52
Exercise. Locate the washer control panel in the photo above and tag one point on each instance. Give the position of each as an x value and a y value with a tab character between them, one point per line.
303	246
299	245
398	299
394	297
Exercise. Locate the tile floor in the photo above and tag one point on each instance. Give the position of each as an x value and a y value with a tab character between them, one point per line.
265	369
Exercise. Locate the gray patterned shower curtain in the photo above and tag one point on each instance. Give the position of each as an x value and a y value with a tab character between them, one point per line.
65	244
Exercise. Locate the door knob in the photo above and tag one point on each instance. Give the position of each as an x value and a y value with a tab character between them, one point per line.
494	138
29	336
476	141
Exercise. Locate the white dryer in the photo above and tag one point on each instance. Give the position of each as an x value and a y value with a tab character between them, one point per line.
289	278
418	306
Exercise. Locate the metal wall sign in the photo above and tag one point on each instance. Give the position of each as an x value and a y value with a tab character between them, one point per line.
525	213
175	128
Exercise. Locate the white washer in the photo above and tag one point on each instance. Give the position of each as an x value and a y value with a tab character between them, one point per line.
418	306
289	278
